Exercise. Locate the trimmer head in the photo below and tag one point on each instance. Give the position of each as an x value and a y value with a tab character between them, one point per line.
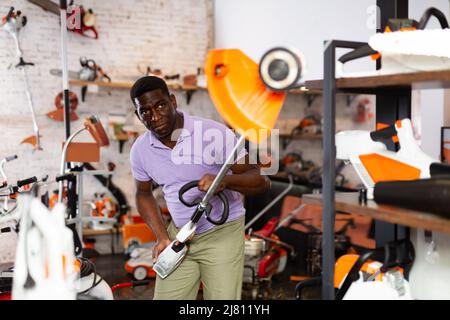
170	258
239	95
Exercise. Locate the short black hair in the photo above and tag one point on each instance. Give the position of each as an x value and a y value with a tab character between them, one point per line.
146	84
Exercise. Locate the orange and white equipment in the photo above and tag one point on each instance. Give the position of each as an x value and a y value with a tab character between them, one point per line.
373	162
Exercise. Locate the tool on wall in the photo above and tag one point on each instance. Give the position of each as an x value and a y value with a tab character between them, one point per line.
12	23
149	71
117	123
197	79
80	20
310	125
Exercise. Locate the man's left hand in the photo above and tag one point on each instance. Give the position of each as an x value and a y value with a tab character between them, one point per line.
205	183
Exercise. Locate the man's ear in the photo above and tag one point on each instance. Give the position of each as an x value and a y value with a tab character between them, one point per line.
173	99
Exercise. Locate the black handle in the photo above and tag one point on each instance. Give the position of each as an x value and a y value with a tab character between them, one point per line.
436	13
360	52
225	212
313	282
384	134
439	169
24	182
226	206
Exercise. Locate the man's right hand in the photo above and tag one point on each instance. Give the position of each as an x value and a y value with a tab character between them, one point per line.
159	247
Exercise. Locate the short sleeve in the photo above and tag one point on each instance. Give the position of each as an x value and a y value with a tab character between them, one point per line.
137	169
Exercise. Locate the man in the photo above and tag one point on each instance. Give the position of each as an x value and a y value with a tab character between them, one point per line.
169	154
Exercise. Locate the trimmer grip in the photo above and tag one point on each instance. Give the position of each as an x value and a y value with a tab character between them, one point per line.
384	134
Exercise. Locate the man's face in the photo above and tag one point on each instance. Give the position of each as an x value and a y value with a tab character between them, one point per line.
157	112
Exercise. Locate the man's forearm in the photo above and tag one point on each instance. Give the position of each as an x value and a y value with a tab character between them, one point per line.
148	210
247	183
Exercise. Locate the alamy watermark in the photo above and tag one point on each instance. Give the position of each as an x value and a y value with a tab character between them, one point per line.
212	146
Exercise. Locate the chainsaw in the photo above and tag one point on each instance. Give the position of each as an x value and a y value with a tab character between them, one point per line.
373	162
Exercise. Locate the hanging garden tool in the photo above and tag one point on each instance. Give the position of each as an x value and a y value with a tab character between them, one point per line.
79	20
58	114
12	23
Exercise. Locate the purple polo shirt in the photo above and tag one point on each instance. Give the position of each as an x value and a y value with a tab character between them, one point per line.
201	148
